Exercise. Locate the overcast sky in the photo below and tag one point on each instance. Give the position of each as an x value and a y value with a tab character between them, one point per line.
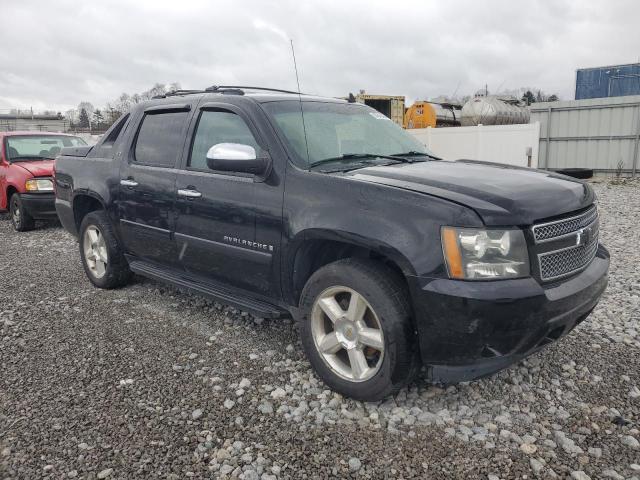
55	54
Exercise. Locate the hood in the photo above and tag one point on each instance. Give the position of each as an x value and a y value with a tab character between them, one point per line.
500	194
37	168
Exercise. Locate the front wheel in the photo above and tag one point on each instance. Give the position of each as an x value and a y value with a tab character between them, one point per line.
356	329
102	257
20	217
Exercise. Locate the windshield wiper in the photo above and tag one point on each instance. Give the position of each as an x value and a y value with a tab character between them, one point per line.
30	157
352	156
414	153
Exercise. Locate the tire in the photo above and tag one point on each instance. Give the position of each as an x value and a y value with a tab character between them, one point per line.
102	257
580	173
387	310
20	218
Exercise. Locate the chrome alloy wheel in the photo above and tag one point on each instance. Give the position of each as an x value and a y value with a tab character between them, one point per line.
347	334
95	251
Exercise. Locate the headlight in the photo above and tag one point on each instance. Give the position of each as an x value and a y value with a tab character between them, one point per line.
480	254
39	185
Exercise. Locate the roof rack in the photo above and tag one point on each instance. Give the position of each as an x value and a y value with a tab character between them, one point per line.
231	89
218	88
173	93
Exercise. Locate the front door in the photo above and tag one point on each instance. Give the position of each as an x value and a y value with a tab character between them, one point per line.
147	185
216	212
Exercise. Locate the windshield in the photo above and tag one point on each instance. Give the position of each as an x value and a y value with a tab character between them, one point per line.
30	147
339	130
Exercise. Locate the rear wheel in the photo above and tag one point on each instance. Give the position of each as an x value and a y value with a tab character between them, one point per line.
20	217
102	257
356	329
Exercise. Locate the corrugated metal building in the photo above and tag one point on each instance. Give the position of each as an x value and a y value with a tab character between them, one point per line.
611	81
46	123
597	133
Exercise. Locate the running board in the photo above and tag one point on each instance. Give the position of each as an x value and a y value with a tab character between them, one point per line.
255	307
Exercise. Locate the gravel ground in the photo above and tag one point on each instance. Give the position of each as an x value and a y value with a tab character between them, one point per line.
147	381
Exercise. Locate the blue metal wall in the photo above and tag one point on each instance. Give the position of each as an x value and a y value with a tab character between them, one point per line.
614	81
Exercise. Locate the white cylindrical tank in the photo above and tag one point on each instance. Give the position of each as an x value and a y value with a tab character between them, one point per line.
492	110
446	116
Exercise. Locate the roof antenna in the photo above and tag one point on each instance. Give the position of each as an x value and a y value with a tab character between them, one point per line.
304	128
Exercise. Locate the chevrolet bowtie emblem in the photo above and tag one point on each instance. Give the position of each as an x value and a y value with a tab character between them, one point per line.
582	236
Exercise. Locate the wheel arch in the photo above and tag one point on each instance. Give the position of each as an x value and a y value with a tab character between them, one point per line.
83	204
313	249
11	189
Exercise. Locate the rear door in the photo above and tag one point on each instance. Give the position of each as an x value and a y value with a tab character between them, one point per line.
147	183
217	211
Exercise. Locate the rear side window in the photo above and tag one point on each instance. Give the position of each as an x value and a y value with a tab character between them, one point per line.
113	135
218	127
160	139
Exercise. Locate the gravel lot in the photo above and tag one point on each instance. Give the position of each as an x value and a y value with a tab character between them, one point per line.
147	382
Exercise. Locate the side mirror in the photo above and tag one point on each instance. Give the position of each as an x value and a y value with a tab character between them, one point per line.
236	157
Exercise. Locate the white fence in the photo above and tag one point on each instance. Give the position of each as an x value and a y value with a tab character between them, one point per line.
508	144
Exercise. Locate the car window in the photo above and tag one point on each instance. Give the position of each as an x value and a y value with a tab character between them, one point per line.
218	127
30	147
160	139
114	133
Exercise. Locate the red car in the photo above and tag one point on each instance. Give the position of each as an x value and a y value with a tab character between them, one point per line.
26	174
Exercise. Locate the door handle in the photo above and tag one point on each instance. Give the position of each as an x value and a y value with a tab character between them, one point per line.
128	183
189	193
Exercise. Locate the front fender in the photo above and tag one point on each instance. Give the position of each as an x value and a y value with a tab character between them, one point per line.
402	225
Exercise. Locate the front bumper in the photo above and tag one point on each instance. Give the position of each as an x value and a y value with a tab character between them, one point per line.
468	330
40	206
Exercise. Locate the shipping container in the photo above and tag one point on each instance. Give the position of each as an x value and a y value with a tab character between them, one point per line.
612	81
391	106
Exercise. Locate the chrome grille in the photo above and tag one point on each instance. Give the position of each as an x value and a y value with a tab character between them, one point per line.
566	246
567	261
567	226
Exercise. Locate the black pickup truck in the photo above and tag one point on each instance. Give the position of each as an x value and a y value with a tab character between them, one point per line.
389	258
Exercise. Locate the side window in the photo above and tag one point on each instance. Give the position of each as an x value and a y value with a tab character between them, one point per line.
105	147
113	135
160	139
218	127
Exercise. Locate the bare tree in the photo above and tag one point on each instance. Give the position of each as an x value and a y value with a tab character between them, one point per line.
123	103
88	107
71	115
97	119
119	106
157	89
